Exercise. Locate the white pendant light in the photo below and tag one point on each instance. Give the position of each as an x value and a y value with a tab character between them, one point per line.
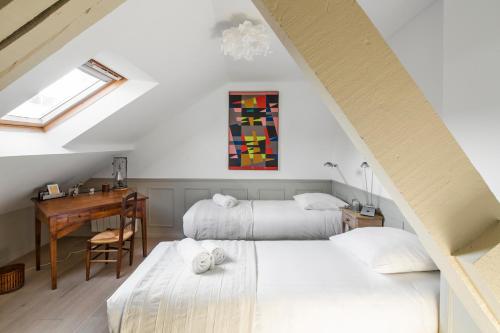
246	41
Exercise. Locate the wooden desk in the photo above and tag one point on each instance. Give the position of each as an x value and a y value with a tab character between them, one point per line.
65	215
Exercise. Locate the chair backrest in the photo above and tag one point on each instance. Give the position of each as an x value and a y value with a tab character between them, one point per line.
128	212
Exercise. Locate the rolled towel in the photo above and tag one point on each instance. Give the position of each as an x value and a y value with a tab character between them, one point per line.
217	252
225	201
197	257
231	201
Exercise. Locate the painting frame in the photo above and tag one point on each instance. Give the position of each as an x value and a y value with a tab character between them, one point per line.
253	130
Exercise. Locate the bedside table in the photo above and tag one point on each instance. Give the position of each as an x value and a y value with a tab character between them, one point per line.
353	220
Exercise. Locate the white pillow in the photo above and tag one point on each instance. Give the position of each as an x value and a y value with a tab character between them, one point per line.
386	250
319	201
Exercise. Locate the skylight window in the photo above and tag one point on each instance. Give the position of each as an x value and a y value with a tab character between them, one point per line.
82	85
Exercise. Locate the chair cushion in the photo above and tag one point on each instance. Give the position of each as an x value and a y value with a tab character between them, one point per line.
111	236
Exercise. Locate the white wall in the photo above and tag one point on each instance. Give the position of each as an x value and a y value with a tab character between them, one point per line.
419	47
184	146
193	143
17	234
472	82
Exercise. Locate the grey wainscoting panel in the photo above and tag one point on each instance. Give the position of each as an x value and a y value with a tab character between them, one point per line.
161	207
271	194
192	195
392	215
171	198
238	193
302	191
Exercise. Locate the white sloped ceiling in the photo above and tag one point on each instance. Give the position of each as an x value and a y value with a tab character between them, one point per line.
175	43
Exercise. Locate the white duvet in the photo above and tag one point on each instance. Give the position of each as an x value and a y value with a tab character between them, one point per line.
312	286
260	220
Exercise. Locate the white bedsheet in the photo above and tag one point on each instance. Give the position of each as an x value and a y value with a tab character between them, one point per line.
285	219
260	220
312	286
207	220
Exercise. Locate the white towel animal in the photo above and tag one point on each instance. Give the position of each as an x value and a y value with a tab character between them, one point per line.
225	201
216	251
197	257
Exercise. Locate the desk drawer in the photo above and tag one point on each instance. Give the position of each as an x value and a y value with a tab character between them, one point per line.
74	219
67	224
104	212
64	221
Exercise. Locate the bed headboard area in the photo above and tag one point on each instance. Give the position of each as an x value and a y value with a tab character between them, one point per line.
169	199
392	214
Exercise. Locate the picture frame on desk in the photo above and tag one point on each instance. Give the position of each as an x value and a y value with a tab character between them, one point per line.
53	189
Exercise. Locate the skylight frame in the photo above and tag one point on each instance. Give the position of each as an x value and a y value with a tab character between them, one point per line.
74	104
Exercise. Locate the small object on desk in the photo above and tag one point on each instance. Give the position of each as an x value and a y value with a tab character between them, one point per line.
91	191
53	196
352	220
105	188
75	190
53	189
120	173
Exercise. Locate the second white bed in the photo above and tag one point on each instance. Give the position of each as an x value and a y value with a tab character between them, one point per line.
260	220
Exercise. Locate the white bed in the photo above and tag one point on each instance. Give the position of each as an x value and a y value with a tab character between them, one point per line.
260	220
313	286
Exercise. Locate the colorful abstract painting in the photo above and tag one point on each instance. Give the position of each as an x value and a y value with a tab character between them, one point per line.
253	130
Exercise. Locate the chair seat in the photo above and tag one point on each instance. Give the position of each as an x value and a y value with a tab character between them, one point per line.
111	236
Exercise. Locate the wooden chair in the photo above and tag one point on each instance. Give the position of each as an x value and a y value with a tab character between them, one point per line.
113	240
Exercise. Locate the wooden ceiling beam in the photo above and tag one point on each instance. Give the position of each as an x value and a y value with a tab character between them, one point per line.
18	18
16	13
389	120
33	30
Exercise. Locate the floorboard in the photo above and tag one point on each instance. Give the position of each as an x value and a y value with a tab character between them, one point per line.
77	305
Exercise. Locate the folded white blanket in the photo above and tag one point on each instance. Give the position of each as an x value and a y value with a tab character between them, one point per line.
226	201
197	257
169	298
216	251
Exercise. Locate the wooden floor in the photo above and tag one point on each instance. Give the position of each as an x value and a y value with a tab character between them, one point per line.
77	305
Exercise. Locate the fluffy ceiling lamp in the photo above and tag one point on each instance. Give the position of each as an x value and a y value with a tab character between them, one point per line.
246	41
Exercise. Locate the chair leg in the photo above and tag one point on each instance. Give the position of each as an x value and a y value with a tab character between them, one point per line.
87	261
106	254
119	260
131	247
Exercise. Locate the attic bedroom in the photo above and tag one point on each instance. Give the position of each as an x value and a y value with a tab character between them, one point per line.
249	166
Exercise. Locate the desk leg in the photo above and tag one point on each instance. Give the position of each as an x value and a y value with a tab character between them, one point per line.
53	254
38	233
144	229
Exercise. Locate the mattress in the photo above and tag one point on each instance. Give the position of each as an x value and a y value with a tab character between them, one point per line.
316	287
260	220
